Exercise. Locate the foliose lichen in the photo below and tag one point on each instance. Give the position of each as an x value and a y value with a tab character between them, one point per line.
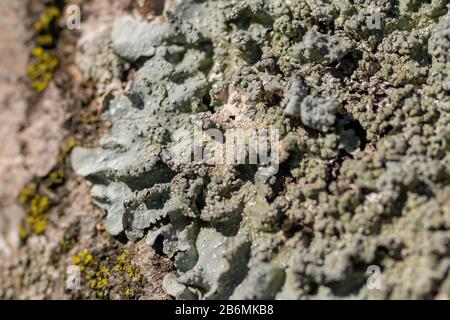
363	115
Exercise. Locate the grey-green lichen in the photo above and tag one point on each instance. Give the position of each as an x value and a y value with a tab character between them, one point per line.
364	121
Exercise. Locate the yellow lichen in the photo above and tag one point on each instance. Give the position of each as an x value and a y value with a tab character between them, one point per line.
44	40
88	117
129	274
28	192
43	63
70	144
37	207
50	14
128	292
36	204
38	214
84	259
56	178
124	264
97	274
23	233
41	70
67	148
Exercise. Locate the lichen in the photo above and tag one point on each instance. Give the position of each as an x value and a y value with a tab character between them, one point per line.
66	148
363	116
95	273
34	196
37	207
102	274
43	62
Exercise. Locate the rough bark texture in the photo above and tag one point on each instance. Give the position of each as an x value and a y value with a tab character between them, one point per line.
96	172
